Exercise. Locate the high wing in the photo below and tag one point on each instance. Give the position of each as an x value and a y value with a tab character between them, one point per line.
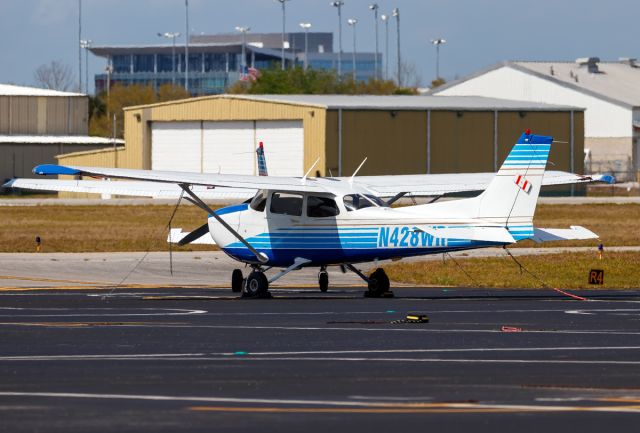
154	190
164	184
441	184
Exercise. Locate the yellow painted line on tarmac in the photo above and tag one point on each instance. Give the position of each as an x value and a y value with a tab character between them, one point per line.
48	280
422	408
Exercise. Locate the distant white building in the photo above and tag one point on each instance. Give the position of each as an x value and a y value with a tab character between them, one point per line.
609	91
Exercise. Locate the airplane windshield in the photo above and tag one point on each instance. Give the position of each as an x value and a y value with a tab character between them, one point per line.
357	201
259	201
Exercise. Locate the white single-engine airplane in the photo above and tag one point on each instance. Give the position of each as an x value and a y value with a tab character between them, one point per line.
292	222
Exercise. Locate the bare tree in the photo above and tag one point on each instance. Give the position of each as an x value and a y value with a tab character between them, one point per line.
55	76
410	75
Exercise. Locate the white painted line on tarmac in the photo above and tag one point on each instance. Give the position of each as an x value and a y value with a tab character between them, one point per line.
303	355
458	350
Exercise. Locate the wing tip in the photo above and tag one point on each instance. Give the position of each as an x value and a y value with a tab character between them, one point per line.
46	169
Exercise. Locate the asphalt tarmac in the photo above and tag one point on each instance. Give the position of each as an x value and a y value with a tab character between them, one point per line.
201	359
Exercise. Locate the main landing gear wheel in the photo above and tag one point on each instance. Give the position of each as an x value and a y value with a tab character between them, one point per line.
323	280
378	284
236	280
257	285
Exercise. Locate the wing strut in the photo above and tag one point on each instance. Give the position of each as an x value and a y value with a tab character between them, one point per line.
260	256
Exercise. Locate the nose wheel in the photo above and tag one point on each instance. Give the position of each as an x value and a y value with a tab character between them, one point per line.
323	279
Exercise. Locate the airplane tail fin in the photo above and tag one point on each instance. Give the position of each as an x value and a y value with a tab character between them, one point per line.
262	162
512	195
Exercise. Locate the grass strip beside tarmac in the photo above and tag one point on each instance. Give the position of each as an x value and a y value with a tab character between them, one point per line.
136	228
563	271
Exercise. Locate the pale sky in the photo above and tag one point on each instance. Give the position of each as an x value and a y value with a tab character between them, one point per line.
479	33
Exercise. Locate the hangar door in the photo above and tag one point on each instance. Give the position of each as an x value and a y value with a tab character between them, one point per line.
228	147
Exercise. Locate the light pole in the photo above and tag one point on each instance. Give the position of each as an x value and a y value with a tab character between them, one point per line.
173	37
385	18
244	31
186	46
338	4
306	27
374	7
352	22
437	43
79	45
283	2
396	13
86	44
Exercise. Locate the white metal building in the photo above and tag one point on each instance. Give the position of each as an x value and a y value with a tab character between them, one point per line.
609	91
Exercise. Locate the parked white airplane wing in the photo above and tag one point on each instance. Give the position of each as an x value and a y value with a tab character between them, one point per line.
130	188
439	184
163	184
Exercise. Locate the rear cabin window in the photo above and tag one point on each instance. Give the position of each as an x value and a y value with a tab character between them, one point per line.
321	207
259	201
356	201
285	203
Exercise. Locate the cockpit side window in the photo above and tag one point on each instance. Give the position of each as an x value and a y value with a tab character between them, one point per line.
321	207
259	201
285	203
356	201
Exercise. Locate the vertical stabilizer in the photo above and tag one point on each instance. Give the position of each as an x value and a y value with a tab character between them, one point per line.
512	195
262	162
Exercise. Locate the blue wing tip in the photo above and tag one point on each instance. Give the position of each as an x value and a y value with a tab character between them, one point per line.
45	169
9	184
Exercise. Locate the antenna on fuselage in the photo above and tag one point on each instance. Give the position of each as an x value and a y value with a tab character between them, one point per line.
304	178
357	170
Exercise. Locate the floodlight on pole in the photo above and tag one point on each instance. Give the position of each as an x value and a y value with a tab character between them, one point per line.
338	4
86	44
172	36
352	22
437	43
283	2
385	19
306	27
244	31
374	7
396	14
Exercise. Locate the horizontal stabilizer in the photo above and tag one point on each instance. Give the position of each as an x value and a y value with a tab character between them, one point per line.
573	233
479	234
176	235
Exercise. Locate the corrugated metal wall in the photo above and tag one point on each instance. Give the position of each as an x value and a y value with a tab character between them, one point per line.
18	159
444	141
40	115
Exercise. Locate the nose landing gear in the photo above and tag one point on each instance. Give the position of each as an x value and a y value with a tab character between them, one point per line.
323	279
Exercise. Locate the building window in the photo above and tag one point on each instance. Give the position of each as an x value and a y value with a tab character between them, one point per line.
214	62
122	64
165	63
143	63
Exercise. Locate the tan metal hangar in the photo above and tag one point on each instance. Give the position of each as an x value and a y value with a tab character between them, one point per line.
397	134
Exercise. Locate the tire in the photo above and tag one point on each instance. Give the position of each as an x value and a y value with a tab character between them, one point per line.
236	280
256	285
323	281
378	283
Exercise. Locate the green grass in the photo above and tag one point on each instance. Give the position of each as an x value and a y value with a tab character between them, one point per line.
136	228
564	271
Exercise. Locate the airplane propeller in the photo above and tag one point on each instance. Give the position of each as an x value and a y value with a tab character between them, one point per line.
195	234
